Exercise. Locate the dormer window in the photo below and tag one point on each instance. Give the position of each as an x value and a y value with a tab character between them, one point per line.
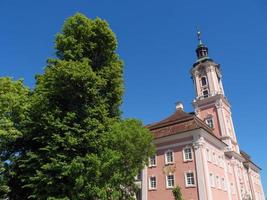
203	81
205	93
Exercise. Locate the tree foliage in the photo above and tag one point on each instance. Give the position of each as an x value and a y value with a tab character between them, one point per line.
66	139
177	193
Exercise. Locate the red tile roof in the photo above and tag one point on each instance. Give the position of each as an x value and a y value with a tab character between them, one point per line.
178	122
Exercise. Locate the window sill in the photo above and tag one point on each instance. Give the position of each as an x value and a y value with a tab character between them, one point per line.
152	189
169	163
169	188
191	160
190	186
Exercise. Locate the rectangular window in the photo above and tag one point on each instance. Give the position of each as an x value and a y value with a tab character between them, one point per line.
203	81
218	184
170	181
152	161
212	183
223	184
214	159
189	179
232	188
169	157
205	93
152	183
208	155
188	154
209	122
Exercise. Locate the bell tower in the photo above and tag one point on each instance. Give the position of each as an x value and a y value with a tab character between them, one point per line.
210	103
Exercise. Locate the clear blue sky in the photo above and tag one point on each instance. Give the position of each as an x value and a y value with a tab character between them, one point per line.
157	41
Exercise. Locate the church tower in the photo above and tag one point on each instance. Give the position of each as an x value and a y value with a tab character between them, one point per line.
210	103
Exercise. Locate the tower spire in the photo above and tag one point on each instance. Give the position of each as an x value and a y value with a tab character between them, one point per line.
199	36
202	50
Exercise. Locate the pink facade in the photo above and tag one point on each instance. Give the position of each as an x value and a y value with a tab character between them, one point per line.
199	151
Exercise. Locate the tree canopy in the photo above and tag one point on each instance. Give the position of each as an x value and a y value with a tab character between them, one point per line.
66	138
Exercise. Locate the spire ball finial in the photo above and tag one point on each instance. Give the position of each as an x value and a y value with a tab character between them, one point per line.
199	36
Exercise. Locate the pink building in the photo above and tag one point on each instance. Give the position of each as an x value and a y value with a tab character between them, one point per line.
199	151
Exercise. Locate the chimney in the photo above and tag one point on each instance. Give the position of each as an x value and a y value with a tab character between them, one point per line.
179	106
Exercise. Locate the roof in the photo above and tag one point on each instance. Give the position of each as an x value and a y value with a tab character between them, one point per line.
248	159
178	122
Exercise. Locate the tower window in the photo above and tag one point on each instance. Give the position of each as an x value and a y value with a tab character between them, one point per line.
209	122
203	81
205	93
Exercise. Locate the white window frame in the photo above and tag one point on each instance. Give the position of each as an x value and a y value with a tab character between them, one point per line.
184	154
166	157
223	184
210	122
214	158
150	164
208	155
150	183
218	182
232	188
212	180
167	181
187	184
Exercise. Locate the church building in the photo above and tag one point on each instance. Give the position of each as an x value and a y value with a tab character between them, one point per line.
198	151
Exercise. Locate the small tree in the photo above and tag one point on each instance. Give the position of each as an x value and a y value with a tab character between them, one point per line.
177	193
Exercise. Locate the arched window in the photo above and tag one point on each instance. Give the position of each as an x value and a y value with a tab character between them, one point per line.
203	81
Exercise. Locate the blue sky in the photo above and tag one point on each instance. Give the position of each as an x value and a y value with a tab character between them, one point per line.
157	41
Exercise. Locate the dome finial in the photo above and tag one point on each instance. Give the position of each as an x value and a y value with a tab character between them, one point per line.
199	36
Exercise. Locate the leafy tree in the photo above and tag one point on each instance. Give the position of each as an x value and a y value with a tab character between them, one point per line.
13	106
73	143
177	193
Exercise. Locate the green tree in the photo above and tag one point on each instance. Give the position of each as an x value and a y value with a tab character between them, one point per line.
74	144
177	193
13	107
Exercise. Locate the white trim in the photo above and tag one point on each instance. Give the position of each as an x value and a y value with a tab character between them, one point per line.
149	162
144	183
184	154
218	181
166	157
174	145
167	186
149	185
212	180
185	179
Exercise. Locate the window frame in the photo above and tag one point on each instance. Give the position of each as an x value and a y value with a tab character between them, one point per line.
212	180
155	161
187	184
208	154
201	80
218	182
166	157
189	153
223	184
205	95
167	181
150	183
209	121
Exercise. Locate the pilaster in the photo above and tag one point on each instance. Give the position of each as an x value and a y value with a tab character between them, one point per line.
144	184
198	146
